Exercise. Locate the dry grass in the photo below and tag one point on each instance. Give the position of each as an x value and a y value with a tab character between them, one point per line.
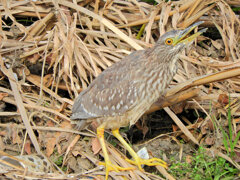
51	50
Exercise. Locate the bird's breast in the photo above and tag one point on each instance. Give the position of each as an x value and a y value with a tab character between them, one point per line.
156	82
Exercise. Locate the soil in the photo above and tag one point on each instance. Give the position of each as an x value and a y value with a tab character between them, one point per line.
160	140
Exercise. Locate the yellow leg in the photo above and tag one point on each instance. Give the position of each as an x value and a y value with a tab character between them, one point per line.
138	161
108	165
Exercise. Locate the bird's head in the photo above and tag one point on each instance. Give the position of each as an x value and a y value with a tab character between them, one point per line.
172	42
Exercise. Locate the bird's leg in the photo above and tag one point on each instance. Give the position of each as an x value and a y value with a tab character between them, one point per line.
138	161
108	165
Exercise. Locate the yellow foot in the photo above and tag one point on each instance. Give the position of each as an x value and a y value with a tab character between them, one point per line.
112	167
149	162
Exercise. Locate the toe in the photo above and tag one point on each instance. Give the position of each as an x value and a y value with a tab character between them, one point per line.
112	167
149	162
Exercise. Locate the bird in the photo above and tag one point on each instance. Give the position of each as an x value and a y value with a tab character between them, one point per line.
123	92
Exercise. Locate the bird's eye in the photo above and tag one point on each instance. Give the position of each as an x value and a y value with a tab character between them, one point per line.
168	41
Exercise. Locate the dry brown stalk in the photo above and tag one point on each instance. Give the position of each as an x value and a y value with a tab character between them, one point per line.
56	48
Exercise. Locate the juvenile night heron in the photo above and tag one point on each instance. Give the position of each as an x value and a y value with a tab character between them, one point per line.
121	94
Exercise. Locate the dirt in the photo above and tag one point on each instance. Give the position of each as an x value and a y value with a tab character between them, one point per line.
158	124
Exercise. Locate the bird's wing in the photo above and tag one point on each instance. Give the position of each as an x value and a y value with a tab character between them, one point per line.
113	92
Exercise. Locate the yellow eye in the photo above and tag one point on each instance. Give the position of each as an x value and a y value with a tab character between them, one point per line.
168	41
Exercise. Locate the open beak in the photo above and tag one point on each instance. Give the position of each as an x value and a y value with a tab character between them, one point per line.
182	37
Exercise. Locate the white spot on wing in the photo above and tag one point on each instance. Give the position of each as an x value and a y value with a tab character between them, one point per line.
105	108
118	106
111	97
129	93
121	102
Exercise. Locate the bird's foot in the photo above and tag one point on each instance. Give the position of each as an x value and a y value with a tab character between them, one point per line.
149	162
112	167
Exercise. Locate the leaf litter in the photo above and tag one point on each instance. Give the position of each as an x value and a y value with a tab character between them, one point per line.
51	51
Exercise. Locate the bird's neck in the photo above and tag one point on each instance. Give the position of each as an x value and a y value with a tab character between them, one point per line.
161	62
173	65
162	72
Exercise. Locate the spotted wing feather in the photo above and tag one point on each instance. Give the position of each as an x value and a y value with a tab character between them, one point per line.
113	92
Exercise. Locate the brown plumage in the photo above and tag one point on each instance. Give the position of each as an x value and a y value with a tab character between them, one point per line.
122	93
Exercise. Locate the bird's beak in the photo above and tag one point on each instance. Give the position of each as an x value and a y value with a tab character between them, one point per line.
181	38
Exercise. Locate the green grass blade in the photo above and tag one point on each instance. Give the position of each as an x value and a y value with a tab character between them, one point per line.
236	139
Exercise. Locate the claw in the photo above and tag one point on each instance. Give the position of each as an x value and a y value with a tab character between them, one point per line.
149	162
112	167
